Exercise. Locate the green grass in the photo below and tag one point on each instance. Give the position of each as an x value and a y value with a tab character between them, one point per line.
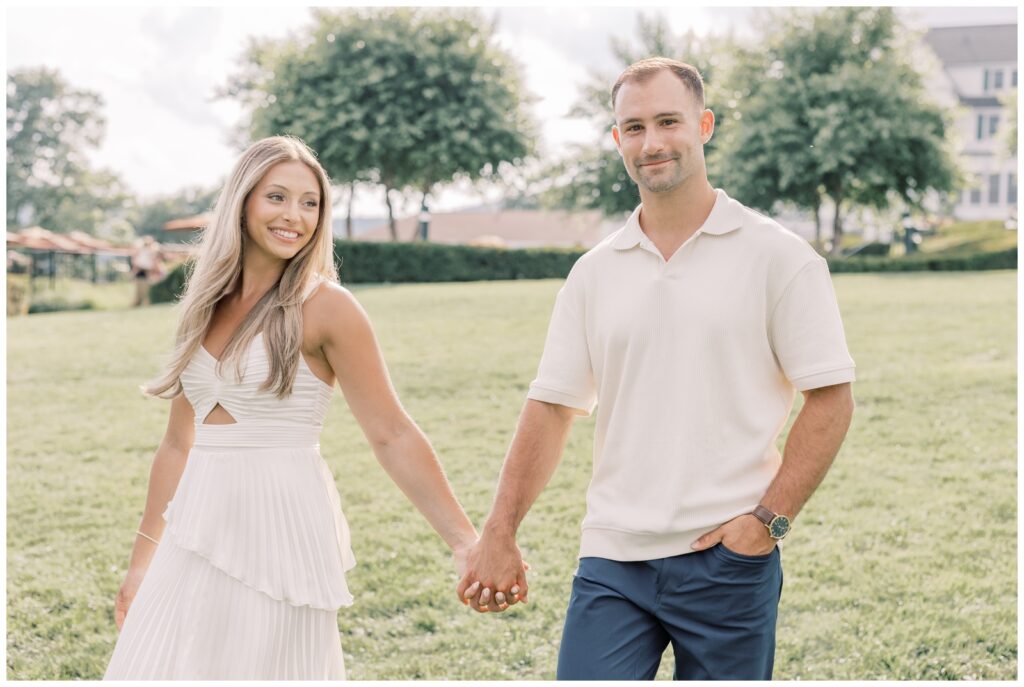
903	564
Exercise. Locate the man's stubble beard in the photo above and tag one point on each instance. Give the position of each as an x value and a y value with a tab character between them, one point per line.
661	183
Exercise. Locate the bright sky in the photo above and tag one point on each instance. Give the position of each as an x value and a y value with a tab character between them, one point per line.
158	68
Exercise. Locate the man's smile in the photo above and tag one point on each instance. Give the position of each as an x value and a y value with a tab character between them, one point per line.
655	163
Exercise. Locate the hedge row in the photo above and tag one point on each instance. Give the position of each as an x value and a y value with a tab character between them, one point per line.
361	262
374	263
996	260
170	288
59	304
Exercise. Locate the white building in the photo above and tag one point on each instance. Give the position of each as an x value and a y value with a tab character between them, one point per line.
979	66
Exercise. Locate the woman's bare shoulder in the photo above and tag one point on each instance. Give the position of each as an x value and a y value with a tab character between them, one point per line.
330	296
332	309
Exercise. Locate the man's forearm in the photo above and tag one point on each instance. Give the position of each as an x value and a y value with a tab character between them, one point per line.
812	445
531	460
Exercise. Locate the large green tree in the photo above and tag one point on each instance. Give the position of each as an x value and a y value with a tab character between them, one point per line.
592	176
404	97
51	126
829	104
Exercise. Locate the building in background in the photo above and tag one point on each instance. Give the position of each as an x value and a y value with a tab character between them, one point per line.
506	228
979	70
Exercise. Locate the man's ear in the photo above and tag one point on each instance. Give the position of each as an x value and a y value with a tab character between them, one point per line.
615	135
707	126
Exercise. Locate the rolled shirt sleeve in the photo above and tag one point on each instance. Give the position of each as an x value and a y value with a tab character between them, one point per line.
807	332
565	375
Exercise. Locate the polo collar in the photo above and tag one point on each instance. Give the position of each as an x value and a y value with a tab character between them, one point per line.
726	216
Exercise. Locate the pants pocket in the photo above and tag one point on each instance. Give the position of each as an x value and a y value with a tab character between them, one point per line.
724	552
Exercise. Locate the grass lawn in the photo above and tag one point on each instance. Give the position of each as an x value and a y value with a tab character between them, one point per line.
902	566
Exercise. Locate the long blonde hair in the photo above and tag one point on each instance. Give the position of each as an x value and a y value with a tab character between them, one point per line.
218	270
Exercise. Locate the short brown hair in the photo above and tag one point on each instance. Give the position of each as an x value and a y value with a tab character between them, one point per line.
645	69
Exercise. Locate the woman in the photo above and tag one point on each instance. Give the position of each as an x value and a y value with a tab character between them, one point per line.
244	579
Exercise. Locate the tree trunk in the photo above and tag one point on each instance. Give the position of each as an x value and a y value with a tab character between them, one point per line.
424	224
348	216
817	224
837	228
391	213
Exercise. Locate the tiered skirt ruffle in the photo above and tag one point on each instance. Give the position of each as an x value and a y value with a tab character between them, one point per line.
269	517
248	575
192	621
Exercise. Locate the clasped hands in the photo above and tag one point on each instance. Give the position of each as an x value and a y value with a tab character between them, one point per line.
493	574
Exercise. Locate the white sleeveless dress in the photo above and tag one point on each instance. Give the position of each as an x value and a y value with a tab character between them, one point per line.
250	571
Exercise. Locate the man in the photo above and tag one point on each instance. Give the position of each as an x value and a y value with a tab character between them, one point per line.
691	327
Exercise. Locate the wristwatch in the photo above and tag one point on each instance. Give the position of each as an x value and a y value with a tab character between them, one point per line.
778	525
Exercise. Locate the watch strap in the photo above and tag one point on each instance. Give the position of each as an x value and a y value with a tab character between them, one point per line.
763	514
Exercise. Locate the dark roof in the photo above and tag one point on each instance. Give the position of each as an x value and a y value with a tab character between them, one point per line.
970	44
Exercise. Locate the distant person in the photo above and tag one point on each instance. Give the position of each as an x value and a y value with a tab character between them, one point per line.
911	237
146	265
238	567
690	329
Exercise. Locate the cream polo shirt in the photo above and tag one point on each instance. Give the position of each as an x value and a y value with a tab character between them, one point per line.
693	365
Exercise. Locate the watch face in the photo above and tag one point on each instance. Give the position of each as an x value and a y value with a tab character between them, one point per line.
779	527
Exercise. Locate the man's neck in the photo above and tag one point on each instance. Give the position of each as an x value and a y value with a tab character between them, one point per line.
669	219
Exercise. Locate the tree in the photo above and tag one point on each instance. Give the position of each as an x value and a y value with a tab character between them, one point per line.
50	127
408	98
150	217
831	105
776	161
593	176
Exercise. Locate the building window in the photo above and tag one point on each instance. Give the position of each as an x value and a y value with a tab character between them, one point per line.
993	124
993	189
976	191
997	80
1011	188
981	127
985	82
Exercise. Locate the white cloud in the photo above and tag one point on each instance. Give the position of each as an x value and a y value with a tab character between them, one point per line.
157	70
554	80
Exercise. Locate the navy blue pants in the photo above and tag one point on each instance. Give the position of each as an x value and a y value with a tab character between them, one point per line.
717	607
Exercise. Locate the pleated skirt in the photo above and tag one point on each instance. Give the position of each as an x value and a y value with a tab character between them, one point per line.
192	621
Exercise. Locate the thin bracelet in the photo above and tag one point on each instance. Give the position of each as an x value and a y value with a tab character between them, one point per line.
140	532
